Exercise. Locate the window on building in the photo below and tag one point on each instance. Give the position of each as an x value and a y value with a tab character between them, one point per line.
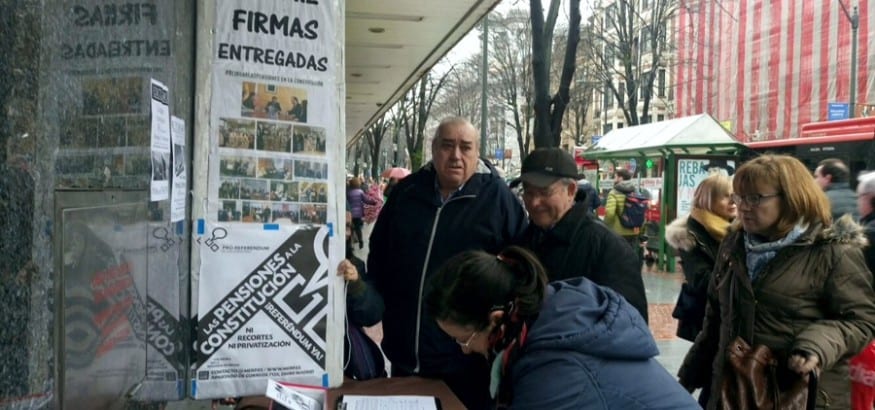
645	40
619	125
607	128
660	117
661	83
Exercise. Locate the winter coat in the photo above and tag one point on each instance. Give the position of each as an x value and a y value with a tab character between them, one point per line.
614	208
581	245
356	200
843	200
416	233
815	295
868	223
698	251
588	349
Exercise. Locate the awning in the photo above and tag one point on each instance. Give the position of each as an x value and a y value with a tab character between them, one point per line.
694	135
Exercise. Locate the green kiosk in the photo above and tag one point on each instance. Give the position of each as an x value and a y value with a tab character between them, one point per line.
670	157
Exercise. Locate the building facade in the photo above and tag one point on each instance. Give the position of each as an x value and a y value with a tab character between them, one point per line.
765	68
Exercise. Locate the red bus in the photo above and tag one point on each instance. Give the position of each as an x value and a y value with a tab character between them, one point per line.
852	141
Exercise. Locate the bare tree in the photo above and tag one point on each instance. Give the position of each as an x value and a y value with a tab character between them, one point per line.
415	116
373	137
460	96
512	73
549	110
629	45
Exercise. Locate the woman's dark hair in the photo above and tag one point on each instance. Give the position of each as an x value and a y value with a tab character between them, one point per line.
472	284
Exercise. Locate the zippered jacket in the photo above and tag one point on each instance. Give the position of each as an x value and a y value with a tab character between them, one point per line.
590	349
815	296
581	245
416	233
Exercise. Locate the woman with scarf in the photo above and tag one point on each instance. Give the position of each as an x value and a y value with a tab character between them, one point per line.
696	237
789	278
565	345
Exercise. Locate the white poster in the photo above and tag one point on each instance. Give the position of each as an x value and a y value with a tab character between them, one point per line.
264	315
691	172
179	193
160	141
275	155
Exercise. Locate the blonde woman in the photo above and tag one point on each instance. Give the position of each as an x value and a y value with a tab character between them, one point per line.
696	237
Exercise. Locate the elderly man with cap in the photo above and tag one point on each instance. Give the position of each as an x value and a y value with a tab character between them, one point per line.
568	240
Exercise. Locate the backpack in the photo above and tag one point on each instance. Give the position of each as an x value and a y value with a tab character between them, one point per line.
634	210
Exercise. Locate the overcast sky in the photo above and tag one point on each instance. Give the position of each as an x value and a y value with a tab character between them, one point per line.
470	44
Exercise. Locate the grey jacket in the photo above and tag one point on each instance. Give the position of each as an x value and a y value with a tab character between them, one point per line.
842	200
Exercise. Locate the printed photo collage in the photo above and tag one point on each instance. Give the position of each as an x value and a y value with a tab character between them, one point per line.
105	142
272	172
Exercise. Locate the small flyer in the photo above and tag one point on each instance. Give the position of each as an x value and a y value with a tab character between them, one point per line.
179	193
160	141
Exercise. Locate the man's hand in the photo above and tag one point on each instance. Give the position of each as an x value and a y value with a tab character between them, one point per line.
348	271
802	362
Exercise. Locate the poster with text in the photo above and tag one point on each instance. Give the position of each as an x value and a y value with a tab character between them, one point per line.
160	141
264	314
275	154
179	191
691	171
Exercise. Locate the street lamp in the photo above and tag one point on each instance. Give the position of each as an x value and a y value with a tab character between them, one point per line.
854	19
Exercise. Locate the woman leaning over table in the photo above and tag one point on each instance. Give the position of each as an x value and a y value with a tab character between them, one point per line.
568	345
789	278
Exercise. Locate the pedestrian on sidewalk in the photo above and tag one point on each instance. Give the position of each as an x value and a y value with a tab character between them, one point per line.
357	199
832	175
614	205
862	367
696	237
789	278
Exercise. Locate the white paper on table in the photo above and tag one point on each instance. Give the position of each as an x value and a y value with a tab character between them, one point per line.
355	402
295	396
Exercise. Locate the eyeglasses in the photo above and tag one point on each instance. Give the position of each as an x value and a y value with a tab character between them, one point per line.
751	199
468	342
532	192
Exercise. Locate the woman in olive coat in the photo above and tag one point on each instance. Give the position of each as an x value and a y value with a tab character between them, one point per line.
789	278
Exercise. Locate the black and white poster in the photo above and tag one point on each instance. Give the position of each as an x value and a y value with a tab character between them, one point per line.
160	141
265	306
266	318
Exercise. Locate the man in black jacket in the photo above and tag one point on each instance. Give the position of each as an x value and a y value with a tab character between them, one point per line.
456	202
568	240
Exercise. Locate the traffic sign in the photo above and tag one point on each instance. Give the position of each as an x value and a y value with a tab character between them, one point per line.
838	111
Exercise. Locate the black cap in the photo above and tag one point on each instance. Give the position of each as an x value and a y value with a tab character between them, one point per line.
544	166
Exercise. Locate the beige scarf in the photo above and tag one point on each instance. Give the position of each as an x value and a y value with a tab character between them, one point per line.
715	225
